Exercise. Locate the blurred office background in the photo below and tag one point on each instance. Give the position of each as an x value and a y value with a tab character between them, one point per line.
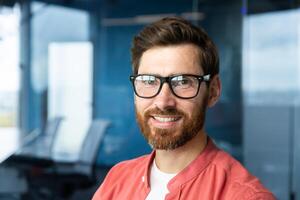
64	67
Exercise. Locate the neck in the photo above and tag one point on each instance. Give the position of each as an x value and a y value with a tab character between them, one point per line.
174	161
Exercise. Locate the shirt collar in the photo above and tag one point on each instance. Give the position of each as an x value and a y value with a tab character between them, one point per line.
196	166
193	169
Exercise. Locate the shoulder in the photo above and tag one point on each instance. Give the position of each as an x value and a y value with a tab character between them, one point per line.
120	175
128	167
242	185
139	162
126	171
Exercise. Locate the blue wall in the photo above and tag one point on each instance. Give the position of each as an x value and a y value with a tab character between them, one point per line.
112	92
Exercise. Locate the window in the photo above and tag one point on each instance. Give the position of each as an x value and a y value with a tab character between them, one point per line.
9	66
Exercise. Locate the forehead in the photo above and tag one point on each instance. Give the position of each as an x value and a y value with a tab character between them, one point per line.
170	60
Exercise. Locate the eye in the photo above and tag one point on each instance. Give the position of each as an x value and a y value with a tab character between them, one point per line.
147	80
182	81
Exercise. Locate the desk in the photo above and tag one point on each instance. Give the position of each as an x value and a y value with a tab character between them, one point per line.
39	155
34	149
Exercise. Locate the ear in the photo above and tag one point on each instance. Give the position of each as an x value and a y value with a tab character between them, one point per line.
214	91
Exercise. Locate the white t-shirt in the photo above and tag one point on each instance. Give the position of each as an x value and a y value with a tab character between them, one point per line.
158	183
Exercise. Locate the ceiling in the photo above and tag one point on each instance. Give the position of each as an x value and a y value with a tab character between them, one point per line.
253	6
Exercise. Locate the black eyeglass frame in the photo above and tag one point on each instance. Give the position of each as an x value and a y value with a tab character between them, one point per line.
167	79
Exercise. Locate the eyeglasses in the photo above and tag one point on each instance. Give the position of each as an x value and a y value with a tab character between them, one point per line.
184	86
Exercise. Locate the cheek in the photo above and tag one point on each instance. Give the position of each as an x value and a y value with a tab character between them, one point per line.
189	109
191	106
141	104
192	103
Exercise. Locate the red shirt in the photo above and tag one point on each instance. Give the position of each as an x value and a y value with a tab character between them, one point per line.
213	175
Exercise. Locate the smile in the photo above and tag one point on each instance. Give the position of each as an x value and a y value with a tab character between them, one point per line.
166	119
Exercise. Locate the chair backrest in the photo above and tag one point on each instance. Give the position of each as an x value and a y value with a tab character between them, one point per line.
52	125
40	142
50	132
94	137
90	147
85	160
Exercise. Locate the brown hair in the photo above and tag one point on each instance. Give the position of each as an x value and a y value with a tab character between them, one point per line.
174	31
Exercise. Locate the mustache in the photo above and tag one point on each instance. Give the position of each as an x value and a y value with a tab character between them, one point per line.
168	111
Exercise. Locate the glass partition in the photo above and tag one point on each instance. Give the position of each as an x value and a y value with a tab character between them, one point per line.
271	91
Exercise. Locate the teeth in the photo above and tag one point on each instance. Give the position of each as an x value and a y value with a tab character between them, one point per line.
165	119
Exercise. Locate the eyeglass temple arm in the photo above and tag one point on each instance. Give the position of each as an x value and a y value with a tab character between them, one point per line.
206	78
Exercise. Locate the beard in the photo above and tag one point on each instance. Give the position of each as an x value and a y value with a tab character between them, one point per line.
172	138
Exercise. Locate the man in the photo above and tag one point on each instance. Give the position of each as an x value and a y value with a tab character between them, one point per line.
176	78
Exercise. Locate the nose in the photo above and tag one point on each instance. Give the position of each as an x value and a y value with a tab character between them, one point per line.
165	99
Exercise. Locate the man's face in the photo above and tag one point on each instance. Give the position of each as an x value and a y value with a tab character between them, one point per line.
166	121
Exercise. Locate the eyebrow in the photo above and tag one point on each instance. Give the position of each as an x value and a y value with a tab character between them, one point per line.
175	74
